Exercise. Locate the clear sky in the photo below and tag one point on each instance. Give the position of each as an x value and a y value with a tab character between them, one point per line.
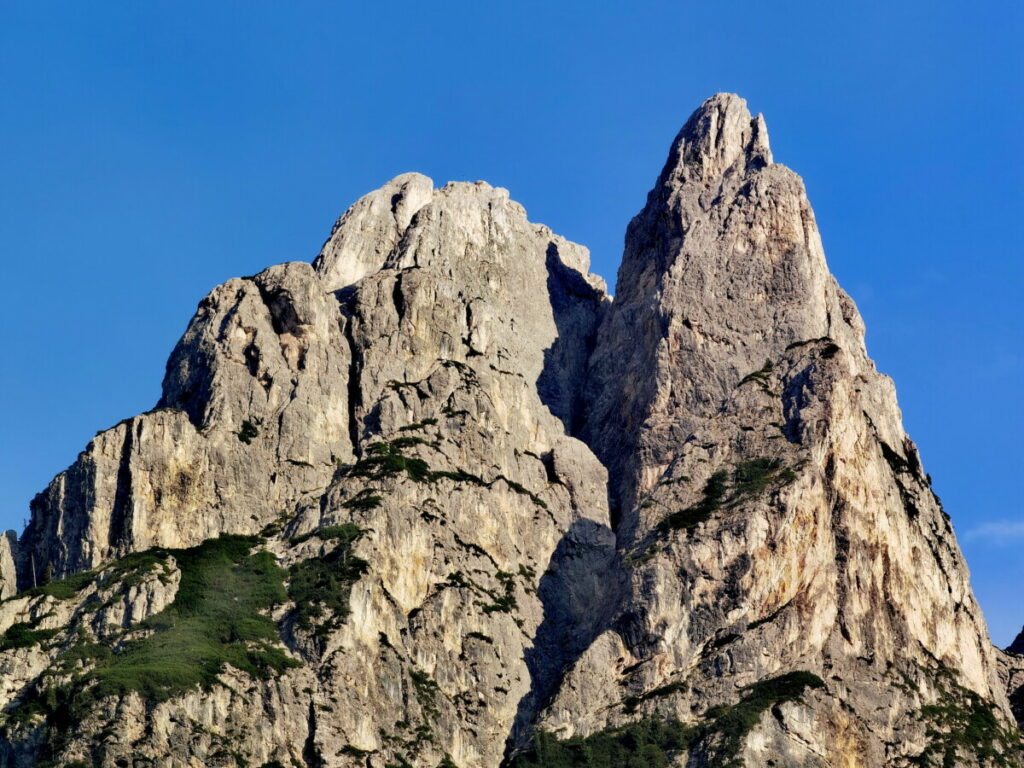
150	150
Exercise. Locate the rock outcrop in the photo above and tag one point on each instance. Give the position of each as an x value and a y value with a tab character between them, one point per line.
1011	671
436	500
774	516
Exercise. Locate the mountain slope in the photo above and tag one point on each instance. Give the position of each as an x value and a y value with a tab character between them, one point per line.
436	500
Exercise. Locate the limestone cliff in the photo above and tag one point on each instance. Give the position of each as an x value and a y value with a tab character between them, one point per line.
437	500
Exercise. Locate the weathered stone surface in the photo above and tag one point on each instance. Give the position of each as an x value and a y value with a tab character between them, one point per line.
254	417
1011	673
730	349
364	238
449	378
498	545
8	564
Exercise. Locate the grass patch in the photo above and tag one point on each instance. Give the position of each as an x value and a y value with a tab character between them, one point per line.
363	501
385	459
767	619
714	495
215	620
63	589
504	601
751	478
347	532
426	691
418	425
458	476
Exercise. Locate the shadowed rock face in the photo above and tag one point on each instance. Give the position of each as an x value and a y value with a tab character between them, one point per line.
448	378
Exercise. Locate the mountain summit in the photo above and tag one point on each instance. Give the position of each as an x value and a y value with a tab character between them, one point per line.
436	499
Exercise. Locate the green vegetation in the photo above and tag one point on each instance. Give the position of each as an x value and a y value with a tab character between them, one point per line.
749	479
363	501
653	743
631	703
647	743
505	601
351	751
23	635
216	619
387	459
426	691
458	476
901	467
247	432
521	491
323	584
418	425
730	725
137	564
132	569
86	652
963	726
689	518
63	589
805	342
761	377
347	532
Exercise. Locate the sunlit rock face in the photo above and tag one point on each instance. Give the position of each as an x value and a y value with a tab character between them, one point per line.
471	502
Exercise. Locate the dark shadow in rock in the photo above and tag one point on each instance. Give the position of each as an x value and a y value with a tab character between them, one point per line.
579	592
577	307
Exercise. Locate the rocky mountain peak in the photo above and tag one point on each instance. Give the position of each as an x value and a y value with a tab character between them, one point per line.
436	500
720	136
369	230
722	270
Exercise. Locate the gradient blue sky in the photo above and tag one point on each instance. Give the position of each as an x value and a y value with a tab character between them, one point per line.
149	151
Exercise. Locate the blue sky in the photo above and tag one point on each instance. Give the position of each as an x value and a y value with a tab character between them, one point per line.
149	151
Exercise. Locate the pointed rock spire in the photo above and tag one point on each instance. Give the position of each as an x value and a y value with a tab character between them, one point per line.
722	269
719	136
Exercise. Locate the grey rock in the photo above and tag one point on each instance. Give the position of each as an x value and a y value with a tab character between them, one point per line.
8	564
730	359
449	377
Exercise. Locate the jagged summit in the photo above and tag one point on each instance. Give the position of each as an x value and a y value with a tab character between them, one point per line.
721	135
369	230
435	500
723	269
